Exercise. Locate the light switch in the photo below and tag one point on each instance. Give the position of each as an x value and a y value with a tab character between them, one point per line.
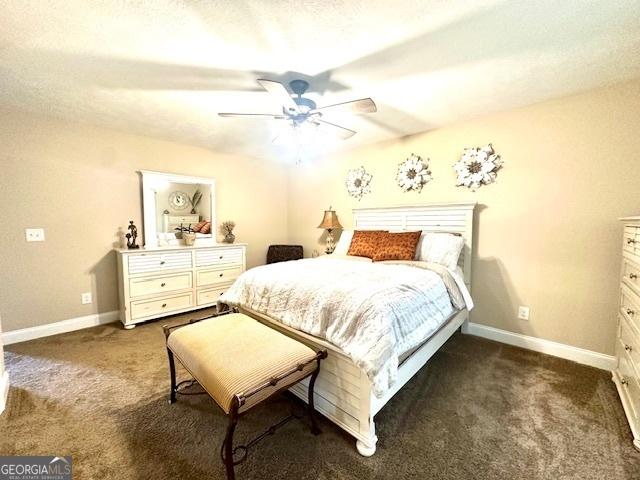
34	234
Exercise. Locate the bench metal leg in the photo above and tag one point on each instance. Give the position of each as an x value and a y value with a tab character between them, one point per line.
227	446
172	372
314	426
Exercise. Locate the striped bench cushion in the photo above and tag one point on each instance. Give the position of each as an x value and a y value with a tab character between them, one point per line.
233	354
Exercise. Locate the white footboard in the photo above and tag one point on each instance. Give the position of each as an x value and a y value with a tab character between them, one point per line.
343	391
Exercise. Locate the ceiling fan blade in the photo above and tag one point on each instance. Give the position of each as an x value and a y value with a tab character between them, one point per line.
280	92
334	129
252	115
354	107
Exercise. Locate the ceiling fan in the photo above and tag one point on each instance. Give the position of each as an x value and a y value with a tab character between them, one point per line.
303	113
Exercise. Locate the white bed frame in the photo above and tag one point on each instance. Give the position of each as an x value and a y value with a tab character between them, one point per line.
343	391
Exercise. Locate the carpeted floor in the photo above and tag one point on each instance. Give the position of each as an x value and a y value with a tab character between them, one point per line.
478	410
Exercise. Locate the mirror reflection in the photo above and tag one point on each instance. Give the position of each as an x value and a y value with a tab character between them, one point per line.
183	208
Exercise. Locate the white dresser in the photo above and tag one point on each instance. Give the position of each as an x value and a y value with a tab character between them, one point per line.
164	281
627	374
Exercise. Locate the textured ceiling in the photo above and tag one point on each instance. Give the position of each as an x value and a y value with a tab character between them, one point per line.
165	68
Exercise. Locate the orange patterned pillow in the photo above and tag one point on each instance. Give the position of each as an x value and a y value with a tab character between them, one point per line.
206	228
199	226
364	243
397	246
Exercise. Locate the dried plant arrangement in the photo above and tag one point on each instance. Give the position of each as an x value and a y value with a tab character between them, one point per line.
195	200
226	228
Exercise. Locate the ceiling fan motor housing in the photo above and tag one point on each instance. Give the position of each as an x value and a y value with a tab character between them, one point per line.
299	86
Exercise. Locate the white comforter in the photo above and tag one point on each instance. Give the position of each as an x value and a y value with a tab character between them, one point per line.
373	312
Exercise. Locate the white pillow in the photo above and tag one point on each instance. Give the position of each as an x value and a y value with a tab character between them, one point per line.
440	247
342	247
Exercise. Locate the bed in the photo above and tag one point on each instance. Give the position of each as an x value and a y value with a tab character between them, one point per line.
350	390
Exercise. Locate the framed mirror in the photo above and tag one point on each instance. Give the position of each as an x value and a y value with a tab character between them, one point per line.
177	206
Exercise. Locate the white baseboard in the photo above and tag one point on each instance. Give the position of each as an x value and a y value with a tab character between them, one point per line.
579	355
78	323
4	389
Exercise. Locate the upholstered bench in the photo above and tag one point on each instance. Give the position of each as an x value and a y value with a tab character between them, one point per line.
240	362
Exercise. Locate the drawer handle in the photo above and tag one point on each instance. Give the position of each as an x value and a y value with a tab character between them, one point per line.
221	274
162	262
624	381
221	293
630	241
164	305
220	257
163	284
628	348
630	312
633	276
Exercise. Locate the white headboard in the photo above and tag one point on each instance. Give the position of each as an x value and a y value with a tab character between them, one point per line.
432	217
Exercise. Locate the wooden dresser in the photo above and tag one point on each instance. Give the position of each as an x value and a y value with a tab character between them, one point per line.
163	281
627	373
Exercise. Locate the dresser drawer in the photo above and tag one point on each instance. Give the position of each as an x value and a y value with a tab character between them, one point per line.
629	380
631	240
219	256
159	284
630	306
631	274
148	308
210	295
218	276
183	219
628	338
146	263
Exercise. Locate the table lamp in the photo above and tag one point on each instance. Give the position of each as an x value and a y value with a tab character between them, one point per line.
329	223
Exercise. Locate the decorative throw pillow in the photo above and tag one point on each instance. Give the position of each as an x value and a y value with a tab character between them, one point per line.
342	247
199	226
440	247
365	243
206	228
397	246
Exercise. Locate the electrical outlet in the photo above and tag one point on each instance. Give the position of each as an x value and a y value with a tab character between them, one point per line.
523	313
86	298
34	234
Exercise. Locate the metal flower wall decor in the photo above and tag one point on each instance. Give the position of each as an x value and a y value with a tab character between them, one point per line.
413	173
358	181
477	166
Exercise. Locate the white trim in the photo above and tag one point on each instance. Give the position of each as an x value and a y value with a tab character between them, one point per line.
575	354
4	389
78	323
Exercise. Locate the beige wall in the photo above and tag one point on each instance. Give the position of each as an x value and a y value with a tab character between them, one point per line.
547	232
80	184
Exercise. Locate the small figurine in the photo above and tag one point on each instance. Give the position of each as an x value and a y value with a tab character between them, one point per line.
132	236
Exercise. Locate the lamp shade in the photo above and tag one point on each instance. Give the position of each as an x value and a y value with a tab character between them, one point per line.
330	220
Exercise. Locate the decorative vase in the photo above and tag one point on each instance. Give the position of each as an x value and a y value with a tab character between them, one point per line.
189	238
229	238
